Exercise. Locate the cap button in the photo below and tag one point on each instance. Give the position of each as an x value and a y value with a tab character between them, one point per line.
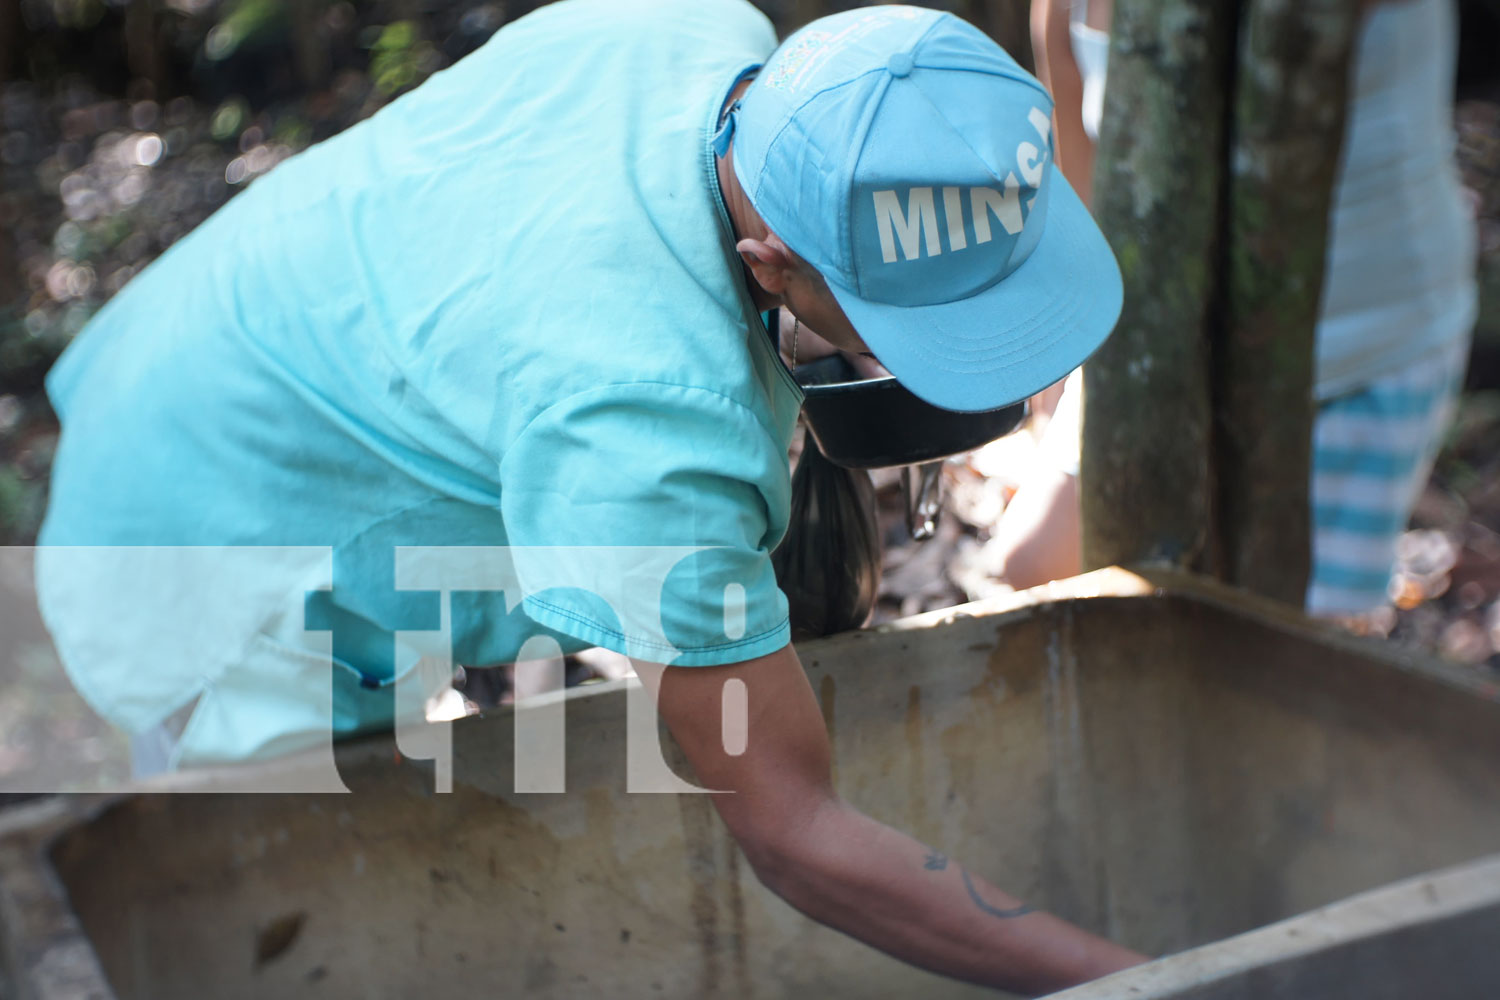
900	64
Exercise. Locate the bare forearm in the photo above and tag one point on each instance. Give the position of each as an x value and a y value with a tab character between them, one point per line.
886	889
843	868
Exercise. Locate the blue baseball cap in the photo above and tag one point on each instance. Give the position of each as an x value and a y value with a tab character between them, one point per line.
908	159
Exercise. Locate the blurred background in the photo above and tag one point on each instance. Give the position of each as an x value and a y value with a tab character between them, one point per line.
125	123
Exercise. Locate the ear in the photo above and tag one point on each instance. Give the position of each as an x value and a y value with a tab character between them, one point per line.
769	263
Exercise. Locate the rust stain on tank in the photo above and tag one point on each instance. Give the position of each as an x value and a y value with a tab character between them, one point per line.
1009	670
916	763
599	807
737	916
702	872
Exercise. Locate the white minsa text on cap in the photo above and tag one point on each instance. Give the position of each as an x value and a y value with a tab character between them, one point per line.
917	223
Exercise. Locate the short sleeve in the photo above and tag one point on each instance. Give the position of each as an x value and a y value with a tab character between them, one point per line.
642	518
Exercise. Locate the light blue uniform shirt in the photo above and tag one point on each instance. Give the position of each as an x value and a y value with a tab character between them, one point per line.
505	311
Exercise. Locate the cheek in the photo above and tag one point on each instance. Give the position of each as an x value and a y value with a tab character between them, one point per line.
820	314
840	331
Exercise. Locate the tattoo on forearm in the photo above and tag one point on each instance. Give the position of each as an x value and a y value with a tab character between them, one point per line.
993	911
938	861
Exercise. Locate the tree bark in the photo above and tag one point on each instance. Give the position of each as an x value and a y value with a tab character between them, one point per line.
1146	491
12	274
1289	109
313	65
1007	22
143	53
10	39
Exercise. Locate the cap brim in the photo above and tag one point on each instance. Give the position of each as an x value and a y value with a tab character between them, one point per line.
1016	337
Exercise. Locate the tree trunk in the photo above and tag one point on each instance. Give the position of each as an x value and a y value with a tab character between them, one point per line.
143	53
1215	172
313	66
12	273
10	39
1290	99
1145	481
1007	22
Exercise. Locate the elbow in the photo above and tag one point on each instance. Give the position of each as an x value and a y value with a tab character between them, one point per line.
785	858
777	863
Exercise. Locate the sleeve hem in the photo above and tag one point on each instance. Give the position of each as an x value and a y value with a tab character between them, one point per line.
589	630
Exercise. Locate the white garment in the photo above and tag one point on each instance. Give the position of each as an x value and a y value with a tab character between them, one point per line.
1059	445
1399	284
1091	52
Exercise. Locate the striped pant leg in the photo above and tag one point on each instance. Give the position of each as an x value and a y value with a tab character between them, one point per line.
1373	451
